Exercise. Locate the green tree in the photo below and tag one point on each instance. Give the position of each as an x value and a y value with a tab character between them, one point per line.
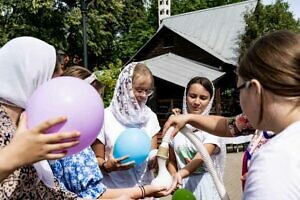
183	6
41	19
59	22
108	75
134	31
267	18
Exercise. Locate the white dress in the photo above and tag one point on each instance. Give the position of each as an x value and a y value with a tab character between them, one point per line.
138	175
274	169
200	182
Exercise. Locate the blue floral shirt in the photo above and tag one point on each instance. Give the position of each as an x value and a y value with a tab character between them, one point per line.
80	173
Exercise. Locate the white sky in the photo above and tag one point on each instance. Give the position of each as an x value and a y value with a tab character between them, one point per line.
294	6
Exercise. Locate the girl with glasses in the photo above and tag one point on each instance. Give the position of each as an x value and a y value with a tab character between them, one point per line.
127	109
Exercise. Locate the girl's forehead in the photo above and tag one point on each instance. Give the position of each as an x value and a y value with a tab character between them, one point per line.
196	86
198	89
141	78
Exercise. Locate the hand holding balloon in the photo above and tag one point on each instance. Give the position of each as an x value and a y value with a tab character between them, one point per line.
33	145
115	164
70	97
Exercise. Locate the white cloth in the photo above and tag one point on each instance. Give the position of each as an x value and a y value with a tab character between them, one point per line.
44	172
274	169
138	175
124	105
200	182
26	63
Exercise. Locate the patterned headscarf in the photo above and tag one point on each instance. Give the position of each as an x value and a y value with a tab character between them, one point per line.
125	107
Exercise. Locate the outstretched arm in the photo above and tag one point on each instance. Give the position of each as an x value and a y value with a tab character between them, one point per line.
216	125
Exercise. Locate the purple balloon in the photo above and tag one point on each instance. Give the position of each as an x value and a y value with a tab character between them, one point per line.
70	97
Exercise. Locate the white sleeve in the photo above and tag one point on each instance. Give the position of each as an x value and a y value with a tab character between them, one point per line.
152	126
101	136
212	139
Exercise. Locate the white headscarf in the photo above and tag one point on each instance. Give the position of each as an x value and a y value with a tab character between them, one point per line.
26	63
124	105
208	107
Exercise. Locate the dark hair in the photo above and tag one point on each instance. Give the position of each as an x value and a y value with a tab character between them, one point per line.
274	60
59	64
205	82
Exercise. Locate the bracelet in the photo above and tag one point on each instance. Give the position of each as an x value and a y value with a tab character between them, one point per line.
143	191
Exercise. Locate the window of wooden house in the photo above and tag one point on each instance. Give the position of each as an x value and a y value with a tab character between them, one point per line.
160	2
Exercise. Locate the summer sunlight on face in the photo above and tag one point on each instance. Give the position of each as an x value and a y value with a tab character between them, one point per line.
197	99
142	87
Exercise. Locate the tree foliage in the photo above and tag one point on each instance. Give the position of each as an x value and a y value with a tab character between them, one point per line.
108	75
135	29
267	18
60	24
41	19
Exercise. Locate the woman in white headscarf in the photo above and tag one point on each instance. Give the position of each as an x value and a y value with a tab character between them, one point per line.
185	163
26	63
127	110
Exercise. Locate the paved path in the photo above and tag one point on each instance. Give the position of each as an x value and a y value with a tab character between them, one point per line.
231	176
233	170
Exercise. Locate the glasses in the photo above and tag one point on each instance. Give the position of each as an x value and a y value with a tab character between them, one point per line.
148	92
243	85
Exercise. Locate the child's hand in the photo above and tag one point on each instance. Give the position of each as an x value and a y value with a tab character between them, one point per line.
156	191
115	164
176	183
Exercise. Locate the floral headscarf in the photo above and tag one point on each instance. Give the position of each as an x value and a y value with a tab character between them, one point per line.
124	105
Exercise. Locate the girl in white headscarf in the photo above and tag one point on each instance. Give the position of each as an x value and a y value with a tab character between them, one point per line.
185	164
26	63
127	110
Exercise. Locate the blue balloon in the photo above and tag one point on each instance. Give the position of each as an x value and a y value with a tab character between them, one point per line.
133	142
